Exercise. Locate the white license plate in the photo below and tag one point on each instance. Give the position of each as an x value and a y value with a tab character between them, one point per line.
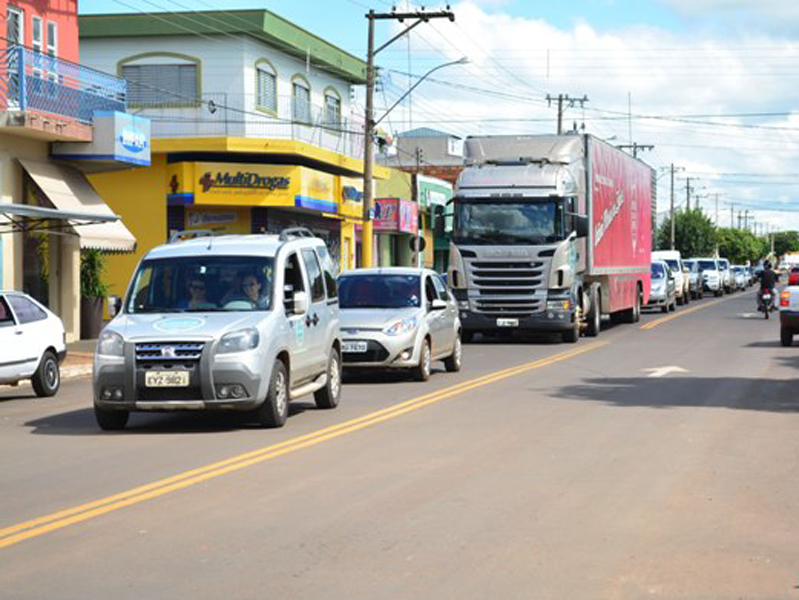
766	296
354	347
507	322
166	379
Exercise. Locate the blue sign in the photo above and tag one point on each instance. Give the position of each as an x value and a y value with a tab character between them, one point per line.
117	138
133	139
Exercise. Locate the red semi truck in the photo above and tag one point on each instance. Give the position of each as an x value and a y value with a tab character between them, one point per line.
550	233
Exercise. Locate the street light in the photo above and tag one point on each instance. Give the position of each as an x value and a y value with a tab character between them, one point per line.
461	61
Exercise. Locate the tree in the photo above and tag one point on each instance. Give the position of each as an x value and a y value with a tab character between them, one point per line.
740	246
694	234
786	241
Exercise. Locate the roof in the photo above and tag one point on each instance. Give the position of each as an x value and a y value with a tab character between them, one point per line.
265	245
426	132
262	25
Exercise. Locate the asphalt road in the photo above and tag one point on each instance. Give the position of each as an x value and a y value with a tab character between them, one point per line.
660	460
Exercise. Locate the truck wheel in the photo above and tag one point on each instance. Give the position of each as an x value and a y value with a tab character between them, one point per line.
111	420
328	396
786	337
47	378
421	372
572	335
275	409
595	315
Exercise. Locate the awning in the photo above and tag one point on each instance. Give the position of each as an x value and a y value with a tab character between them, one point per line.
77	205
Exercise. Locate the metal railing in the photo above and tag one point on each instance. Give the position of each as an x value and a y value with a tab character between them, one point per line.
229	114
32	81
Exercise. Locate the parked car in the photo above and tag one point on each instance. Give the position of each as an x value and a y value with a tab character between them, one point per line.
739	277
663	293
695	283
681	278
793	276
711	275
789	314
234	323
727	277
398	318
32	343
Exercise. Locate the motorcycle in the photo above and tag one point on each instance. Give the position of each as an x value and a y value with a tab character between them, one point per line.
766	302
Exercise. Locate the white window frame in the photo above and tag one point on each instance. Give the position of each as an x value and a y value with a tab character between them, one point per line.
337	98
38	45
21	14
267	69
52	40
298	119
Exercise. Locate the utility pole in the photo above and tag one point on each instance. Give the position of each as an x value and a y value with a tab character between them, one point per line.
746	219
419	16
672	170
564	102
635	147
732	216
688	193
717	210
739	219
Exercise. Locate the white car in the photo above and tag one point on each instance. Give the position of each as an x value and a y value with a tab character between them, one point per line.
681	276
32	343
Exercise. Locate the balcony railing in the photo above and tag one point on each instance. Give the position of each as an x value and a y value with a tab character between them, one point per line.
228	114
32	81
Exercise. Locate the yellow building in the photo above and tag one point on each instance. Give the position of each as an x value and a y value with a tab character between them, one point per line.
236	185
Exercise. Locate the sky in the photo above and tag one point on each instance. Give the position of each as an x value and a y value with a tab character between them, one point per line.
713	85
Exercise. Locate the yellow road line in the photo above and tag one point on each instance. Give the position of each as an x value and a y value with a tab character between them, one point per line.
682	313
35	527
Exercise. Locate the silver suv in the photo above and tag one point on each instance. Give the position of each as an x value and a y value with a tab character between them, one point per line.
238	323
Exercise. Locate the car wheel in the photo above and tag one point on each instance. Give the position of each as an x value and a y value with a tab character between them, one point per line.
453	362
47	378
665	308
328	396
673	306
275	409
111	420
467	337
422	371
786	337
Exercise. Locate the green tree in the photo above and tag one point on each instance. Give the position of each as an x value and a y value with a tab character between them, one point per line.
740	246
694	234
786	241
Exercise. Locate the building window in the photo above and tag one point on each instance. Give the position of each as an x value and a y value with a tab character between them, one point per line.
161	84
15	25
332	109
266	82
52	39
36	34
301	101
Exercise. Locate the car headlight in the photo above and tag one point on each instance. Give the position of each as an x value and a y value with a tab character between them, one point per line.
463	304
400	327
239	341
110	344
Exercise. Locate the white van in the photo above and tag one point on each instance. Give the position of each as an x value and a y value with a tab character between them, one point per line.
682	282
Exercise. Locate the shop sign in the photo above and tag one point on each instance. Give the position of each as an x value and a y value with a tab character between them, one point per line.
396	215
246	180
350	197
231	221
117	137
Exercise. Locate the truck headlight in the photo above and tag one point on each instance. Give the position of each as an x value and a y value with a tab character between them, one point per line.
239	341
463	304
558	304
400	327
110	344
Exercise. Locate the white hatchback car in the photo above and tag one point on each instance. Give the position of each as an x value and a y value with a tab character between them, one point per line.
32	343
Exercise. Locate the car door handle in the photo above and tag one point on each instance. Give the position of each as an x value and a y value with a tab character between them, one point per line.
19	332
308	321
315	319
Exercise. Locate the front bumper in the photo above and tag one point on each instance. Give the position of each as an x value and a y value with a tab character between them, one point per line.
384	351
658	299
559	321
127	375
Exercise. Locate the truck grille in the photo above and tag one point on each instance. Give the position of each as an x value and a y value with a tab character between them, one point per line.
507	288
168	352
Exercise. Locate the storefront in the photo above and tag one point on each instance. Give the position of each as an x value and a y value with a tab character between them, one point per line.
396	223
434	194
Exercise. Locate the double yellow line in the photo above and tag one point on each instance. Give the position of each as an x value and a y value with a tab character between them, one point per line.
58	520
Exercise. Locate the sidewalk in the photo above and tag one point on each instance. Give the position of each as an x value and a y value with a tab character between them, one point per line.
79	360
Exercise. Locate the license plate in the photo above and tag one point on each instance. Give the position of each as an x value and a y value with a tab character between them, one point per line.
354	347
766	296
166	379
507	322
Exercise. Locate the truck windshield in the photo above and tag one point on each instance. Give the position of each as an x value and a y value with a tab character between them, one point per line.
202	284
508	222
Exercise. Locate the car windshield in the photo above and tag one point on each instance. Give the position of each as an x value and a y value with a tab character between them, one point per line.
379	291
506	222
202	284
707	265
658	271
672	262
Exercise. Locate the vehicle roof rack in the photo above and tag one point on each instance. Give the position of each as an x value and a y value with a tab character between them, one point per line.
189	234
295	232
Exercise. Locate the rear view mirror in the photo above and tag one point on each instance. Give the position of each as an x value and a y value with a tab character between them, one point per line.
300	303
114	305
581	225
438	304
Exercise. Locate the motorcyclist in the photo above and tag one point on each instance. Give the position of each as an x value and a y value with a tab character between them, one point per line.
768	281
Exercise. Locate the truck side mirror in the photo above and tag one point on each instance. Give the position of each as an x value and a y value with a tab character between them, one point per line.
581	225
439	228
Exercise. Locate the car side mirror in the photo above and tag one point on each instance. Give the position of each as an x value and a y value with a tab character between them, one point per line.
300	303
581	225
114	305
438	304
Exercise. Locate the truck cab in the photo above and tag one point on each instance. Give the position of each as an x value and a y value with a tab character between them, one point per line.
230	323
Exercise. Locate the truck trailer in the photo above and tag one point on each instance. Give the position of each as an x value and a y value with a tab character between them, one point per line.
550	233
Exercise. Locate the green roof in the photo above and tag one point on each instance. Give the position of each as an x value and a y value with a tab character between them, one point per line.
262	25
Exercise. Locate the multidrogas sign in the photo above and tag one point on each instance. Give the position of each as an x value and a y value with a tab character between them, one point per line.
243	179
